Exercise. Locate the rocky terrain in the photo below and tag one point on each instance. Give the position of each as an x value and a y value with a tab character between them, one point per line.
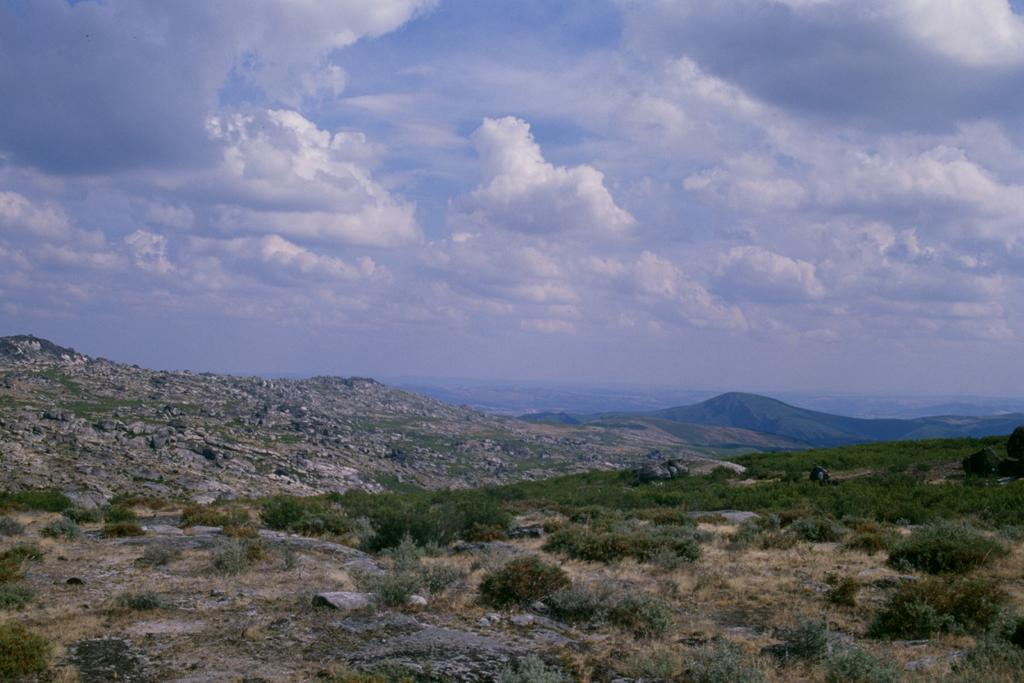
95	428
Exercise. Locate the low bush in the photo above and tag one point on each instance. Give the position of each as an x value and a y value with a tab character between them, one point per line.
762	532
438	578
122	530
117	514
644	544
578	603
210	515
82	515
842	590
14	597
10	527
307	516
920	609
62	528
870	541
991	661
22	653
141	602
659	663
522	581
158	555
393	589
235	556
532	669
946	548
642	614
856	665
807	640
816	529
721	662
47	500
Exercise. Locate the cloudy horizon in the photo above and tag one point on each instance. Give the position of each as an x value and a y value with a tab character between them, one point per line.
812	195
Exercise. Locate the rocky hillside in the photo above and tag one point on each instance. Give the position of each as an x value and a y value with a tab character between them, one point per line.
93	428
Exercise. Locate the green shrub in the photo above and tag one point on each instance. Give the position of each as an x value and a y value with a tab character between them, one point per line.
158	555
117	514
721	662
817	529
578	603
532	669
307	516
22	652
870	541
438	578
122	530
208	515
10	527
14	597
659	663
856	665
235	556
141	602
47	500
21	552
641	614
842	590
62	528
946	548
522	581
644	544
990	661
807	640
404	557
392	589
920	609
83	516
12	561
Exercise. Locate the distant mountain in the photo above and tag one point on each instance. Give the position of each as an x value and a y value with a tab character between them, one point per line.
770	416
26	348
738	420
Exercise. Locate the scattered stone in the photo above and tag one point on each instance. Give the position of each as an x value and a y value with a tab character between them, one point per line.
417	601
526	531
821	475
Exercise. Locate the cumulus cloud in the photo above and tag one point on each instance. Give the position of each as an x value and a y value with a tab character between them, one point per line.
690	301
150	72
757	274
149	251
280	173
19	213
523	192
276	255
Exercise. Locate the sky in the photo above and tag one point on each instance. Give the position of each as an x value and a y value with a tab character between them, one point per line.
755	194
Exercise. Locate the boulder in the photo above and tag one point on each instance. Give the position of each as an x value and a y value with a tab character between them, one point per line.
346	601
659	471
1015	444
982	463
1010	468
820	475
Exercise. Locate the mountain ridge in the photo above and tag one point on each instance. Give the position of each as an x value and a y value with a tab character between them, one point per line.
769	416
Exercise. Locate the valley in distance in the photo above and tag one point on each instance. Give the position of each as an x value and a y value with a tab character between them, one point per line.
180	526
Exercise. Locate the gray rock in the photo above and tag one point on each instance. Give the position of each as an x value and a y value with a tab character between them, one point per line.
659	471
346	601
417	601
523	619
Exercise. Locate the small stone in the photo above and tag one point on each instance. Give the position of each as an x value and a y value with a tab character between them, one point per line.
417	601
74	581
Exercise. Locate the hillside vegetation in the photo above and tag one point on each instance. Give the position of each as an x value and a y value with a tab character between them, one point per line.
906	571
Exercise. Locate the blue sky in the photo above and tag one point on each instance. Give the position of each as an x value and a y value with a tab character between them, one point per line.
753	194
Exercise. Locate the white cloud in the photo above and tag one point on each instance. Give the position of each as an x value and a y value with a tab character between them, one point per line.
18	213
282	174
548	326
522	192
149	251
757	274
659	277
